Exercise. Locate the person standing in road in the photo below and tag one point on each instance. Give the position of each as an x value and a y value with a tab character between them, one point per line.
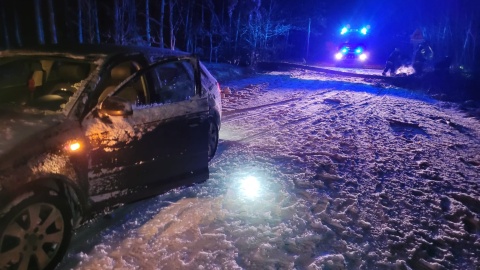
392	62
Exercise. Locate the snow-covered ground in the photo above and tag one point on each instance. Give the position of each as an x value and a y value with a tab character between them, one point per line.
312	172
367	71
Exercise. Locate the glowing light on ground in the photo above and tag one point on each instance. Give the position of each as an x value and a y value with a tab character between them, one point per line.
250	187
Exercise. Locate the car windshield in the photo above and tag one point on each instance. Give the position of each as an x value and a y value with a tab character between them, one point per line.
40	82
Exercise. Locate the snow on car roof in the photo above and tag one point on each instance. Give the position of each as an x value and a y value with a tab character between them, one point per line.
88	51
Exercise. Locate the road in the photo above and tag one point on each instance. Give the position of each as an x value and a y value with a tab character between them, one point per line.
313	171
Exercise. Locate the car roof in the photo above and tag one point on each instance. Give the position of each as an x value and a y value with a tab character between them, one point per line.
91	50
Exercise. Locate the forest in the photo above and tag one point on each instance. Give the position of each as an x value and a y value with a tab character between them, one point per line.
245	31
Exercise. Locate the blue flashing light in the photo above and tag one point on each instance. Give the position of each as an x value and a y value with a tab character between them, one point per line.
344	50
358	50
364	30
344	30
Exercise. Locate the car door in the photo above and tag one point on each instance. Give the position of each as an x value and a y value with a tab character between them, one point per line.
165	136
115	157
177	120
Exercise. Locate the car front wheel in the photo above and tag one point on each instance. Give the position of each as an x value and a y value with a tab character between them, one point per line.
35	233
212	140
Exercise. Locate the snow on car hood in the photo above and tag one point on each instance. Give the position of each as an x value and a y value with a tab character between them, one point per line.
16	127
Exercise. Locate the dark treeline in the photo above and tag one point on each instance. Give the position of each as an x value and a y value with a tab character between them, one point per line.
233	30
244	31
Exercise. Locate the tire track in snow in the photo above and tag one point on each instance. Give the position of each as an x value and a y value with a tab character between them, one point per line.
313	100
237	114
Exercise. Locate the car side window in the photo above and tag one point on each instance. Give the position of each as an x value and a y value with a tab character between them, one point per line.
133	91
176	82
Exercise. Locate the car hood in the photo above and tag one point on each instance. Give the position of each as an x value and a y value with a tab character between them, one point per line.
19	126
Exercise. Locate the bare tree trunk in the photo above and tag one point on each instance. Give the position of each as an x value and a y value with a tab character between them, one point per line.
39	22
147	22
187	28
202	25
203	15
6	37
66	9
95	18
132	21
17	29
308	39
170	23
211	47
465	58
87	27
91	21
116	12
212	25
162	18
237	33
53	28
79	21
231	7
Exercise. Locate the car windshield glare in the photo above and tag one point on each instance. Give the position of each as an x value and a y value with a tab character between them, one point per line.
43	83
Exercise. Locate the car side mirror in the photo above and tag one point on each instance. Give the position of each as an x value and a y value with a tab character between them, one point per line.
115	106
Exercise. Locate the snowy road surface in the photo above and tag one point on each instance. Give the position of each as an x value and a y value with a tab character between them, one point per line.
312	172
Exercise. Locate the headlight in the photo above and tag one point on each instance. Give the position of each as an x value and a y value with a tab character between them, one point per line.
338	56
363	57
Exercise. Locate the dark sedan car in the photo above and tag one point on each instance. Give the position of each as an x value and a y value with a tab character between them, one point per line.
89	128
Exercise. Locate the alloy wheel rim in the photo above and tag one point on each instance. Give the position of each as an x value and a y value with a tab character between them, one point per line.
32	238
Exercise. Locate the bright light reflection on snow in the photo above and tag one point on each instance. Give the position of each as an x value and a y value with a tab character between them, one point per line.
407	70
250	187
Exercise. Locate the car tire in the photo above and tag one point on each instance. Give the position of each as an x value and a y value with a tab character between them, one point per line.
212	139
35	233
